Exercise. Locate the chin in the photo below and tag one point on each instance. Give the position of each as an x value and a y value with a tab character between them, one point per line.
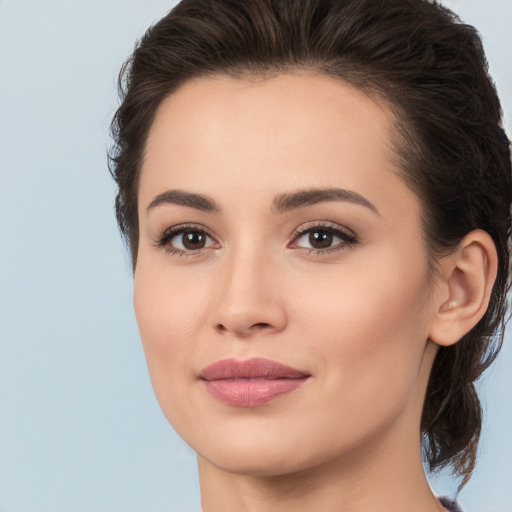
256	462
251	449
268	452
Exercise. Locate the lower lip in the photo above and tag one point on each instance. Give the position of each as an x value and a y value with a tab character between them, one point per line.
251	392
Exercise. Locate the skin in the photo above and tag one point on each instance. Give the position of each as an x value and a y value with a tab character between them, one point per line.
357	316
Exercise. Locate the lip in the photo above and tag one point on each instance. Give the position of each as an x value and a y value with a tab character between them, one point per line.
251	382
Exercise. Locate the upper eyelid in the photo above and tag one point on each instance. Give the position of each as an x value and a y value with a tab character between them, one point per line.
178	228
307	226
327	225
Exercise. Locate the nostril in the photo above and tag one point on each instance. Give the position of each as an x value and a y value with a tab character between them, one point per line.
260	325
243	331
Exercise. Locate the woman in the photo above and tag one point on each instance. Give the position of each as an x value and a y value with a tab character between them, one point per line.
316	195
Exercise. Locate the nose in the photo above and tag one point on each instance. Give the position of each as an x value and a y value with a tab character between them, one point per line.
250	298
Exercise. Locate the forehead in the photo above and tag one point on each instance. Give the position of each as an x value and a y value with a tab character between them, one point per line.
283	108
269	135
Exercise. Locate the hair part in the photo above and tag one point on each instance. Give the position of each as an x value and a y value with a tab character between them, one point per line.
450	145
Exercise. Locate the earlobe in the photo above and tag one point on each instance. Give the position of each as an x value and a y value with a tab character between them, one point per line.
464	288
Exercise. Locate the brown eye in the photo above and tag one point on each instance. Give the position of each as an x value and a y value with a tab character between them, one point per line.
320	239
185	240
324	239
193	240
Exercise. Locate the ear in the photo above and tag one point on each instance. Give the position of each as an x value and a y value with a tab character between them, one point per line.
465	283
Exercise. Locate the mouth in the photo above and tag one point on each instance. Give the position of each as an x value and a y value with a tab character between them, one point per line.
252	382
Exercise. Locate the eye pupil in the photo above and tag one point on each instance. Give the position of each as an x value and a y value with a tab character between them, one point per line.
320	239
193	240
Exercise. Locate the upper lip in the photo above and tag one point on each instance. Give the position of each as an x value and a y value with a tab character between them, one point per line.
254	368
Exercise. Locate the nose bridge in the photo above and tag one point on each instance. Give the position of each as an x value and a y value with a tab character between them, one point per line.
249	296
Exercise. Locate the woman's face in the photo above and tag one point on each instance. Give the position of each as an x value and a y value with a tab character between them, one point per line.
274	230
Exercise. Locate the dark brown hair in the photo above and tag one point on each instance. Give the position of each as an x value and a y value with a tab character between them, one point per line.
430	69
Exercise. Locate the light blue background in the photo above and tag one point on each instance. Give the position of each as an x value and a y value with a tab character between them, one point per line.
80	429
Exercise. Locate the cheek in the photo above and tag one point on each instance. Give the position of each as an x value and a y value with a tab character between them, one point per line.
170	313
371	327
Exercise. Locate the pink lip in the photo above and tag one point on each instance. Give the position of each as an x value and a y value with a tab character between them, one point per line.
252	382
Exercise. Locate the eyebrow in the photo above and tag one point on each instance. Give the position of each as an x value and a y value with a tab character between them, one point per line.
290	201
182	198
281	204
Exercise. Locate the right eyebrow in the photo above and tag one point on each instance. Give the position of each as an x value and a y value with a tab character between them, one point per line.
183	198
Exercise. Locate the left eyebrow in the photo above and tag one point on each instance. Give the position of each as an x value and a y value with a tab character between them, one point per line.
301	198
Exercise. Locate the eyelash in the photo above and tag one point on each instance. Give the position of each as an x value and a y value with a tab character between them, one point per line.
347	237
163	241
